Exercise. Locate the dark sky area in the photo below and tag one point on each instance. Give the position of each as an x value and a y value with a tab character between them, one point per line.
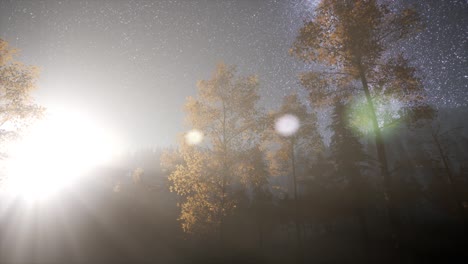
133	63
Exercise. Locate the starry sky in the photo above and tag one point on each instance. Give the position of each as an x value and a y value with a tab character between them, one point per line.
132	64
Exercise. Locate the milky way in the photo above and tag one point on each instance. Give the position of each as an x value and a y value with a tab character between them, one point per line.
440	52
135	62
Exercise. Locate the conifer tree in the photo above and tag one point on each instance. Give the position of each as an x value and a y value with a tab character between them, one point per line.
350	158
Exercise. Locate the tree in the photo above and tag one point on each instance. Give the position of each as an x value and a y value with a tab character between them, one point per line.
323	194
350	158
288	154
354	41
254	175
17	80
226	111
442	149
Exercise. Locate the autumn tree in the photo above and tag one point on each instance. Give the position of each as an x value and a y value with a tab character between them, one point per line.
226	112
291	154
353	42
17	80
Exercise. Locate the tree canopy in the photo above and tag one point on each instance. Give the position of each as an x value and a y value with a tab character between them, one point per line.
17	80
226	111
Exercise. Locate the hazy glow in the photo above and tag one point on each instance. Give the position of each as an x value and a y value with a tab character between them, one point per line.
194	137
387	113
56	151
287	125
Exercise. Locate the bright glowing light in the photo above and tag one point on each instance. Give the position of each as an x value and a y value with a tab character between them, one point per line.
194	137
287	125
56	151
387	111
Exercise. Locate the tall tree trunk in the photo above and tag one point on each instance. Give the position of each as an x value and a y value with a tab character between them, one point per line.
224	175
363	230
260	232
296	205
395	223
455	195
359	212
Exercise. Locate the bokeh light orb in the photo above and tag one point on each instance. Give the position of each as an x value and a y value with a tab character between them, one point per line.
287	125
387	110
194	137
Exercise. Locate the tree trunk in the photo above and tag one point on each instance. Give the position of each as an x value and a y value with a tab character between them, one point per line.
363	231
224	175
395	223
296	206
455	196
359	212
260	233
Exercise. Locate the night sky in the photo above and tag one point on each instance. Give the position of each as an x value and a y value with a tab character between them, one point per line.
133	63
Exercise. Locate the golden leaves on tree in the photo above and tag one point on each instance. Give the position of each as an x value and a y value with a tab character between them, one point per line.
350	40
225	112
17	80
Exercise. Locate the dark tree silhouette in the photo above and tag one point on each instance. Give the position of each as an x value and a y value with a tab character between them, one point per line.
354	41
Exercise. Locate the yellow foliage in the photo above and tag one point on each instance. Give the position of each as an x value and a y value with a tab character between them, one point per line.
350	40
17	80
225	112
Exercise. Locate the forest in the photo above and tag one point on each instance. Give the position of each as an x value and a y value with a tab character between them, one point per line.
361	165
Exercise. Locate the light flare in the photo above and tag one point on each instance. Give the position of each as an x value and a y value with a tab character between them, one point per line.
387	111
56	152
287	125
194	137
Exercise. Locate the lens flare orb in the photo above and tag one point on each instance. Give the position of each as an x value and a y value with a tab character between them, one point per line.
194	137
287	125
